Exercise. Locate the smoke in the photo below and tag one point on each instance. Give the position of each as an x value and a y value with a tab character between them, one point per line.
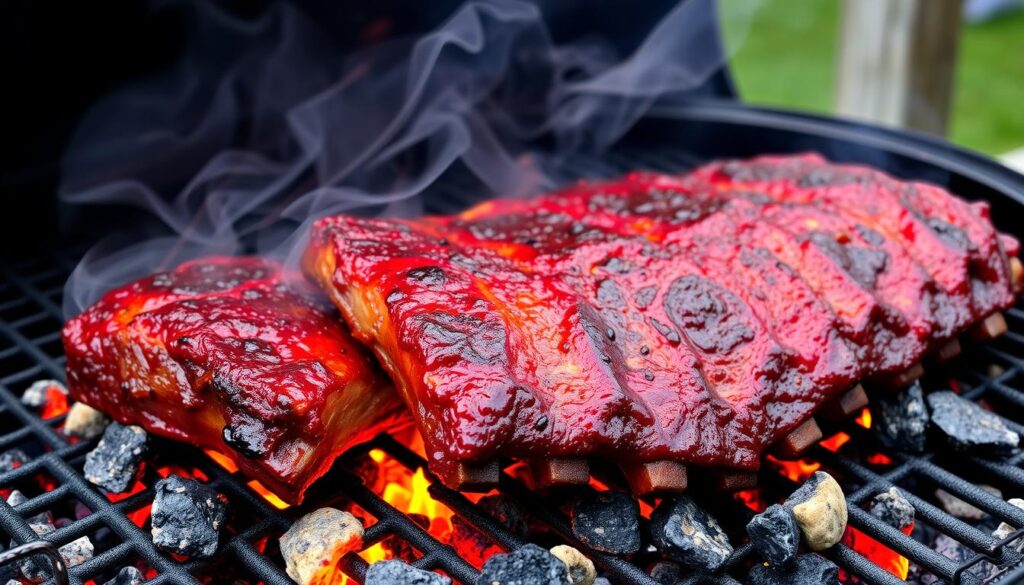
264	124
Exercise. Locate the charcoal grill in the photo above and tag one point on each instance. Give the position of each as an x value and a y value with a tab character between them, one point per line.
30	320
712	123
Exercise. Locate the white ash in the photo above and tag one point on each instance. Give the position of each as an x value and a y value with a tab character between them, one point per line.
1005	529
819	507
84	421
318	539
35	395
16	498
581	569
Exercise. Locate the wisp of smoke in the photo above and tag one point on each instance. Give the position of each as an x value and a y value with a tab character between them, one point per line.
263	125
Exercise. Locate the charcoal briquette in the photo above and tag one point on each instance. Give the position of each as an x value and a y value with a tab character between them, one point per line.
687	533
127	576
530	565
809	569
666	572
775	535
395	572
893	508
608	522
12	459
969	427
115	461
901	422
187	517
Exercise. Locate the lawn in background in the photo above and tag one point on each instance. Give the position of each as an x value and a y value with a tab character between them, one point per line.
783	53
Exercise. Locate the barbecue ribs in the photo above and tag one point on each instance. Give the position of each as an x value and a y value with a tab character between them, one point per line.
695	319
229	354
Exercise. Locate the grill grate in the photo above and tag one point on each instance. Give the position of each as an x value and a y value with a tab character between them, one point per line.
30	320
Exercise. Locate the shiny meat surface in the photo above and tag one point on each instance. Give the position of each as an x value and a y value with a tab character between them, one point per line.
228	354
695	318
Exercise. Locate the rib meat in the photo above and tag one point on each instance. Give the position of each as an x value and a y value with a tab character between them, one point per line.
229	354
695	318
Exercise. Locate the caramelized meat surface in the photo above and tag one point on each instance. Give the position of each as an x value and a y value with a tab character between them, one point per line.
694	318
229	355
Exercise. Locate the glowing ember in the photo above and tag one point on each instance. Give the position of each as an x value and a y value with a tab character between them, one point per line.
188	472
798	470
878	553
752	499
268	495
879	459
139	516
256	486
864	418
56	403
836	441
222	460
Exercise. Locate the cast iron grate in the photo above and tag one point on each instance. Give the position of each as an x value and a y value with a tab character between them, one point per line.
30	321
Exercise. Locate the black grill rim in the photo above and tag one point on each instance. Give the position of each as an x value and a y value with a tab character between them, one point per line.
63	457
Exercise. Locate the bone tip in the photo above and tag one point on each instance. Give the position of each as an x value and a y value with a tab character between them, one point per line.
656	477
735	481
846	404
907	376
473	476
559	472
800	439
991	327
949	351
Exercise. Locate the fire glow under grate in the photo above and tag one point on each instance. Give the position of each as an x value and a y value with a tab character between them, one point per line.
30	321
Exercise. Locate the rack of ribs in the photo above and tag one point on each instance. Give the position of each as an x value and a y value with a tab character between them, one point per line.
691	319
232	355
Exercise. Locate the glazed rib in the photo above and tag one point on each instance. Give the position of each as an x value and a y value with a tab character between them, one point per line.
230	355
696	319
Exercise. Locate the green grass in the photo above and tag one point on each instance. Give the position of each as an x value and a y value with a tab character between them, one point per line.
783	53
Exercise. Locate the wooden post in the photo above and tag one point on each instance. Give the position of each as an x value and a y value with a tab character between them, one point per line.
897	60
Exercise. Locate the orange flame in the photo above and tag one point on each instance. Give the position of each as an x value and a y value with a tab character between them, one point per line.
408	493
864	419
878	553
797	470
836	441
225	462
752	499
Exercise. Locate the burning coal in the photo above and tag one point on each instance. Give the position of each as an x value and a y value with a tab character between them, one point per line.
267	122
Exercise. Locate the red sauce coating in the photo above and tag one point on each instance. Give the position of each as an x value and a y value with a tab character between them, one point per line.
694	318
229	354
